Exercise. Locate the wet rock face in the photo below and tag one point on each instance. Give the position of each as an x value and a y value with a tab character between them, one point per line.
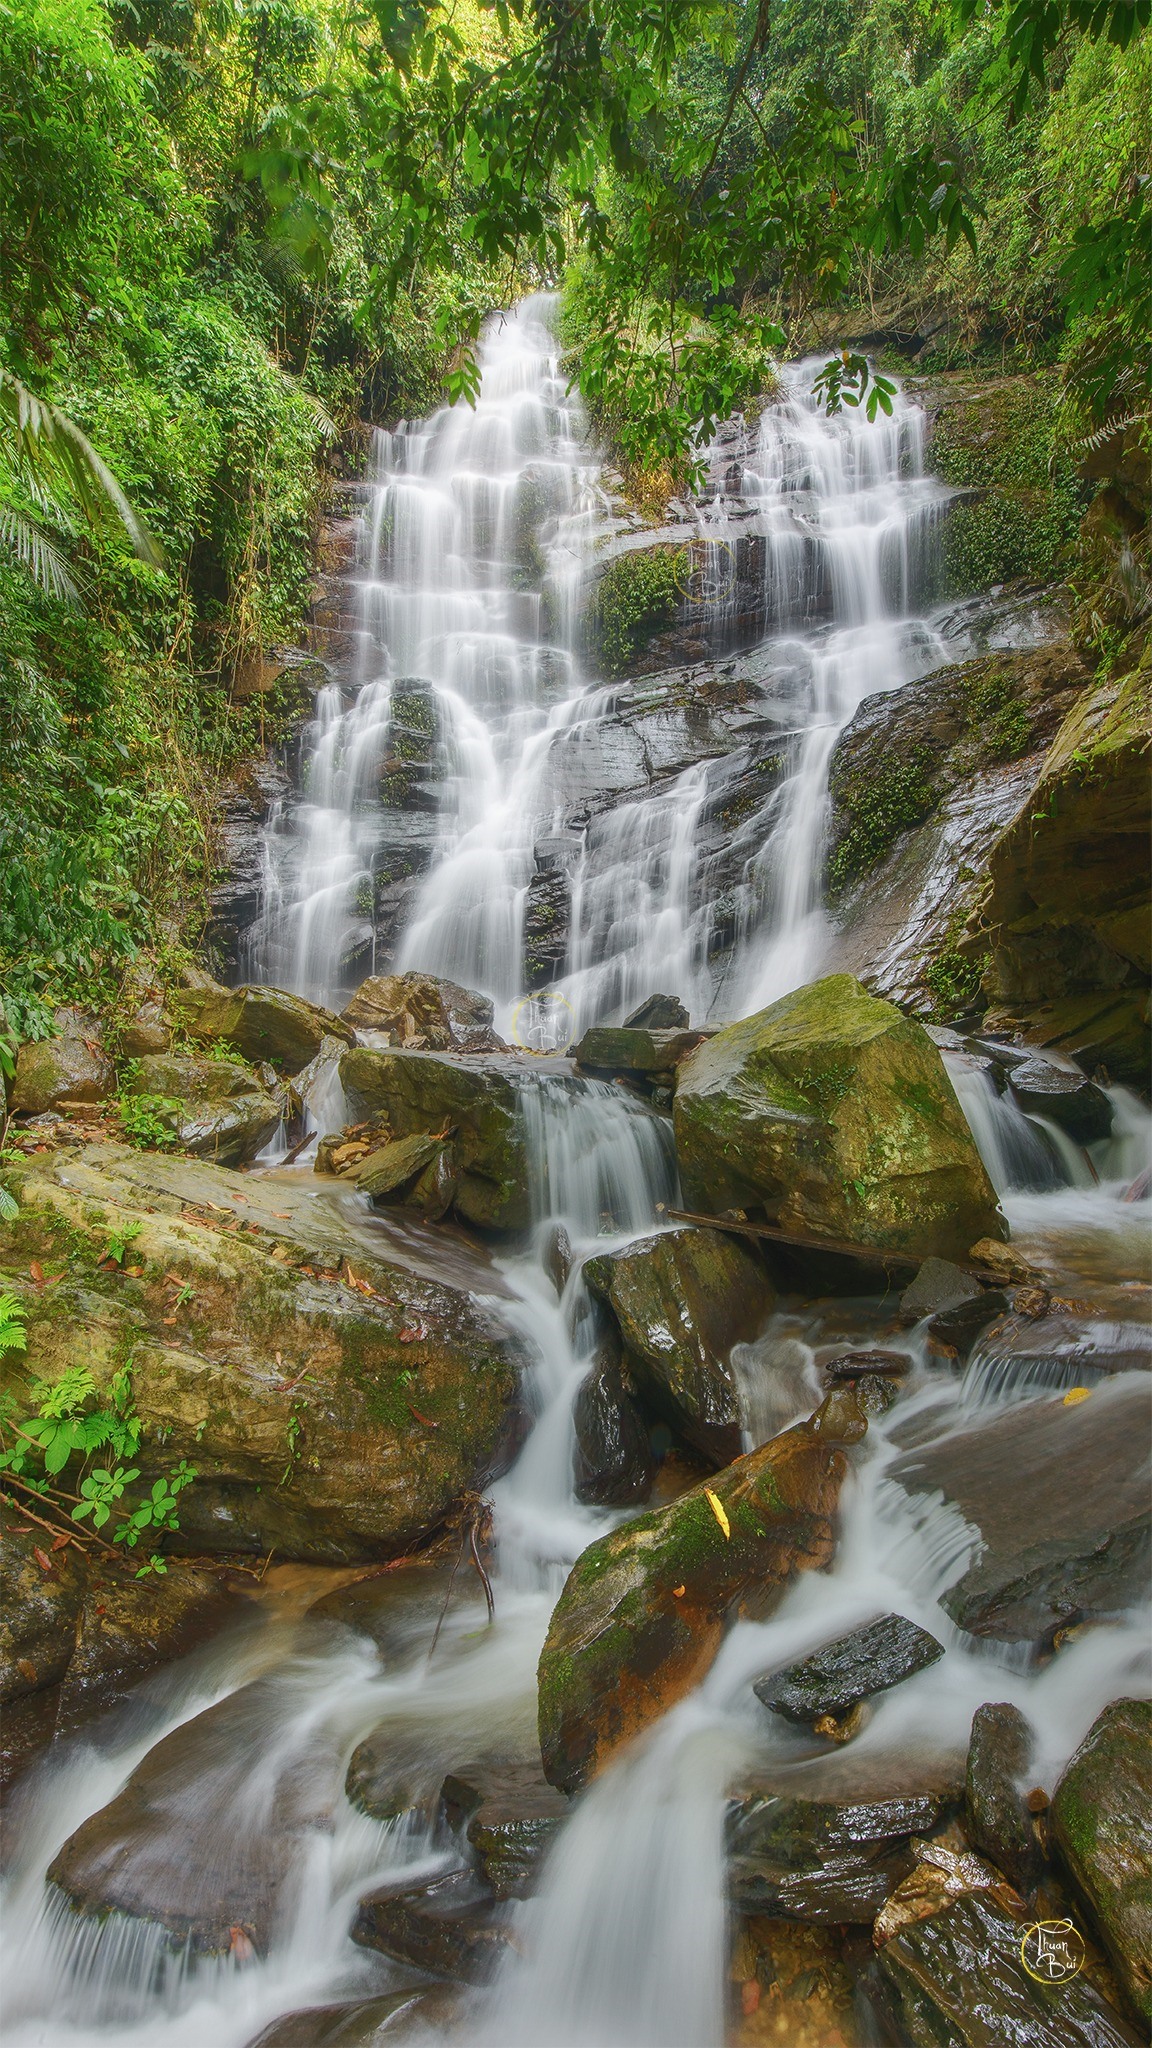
614	1460
334	1421
853	1668
833	1113
996	1815
1067	903
420	1007
681	1300
1064	1095
635	1050
452	1926
1101	1825
510	1816
172	1850
1059	1496
658	1013
643	1610
475	1102
217	1109
70	1068
262	1023
360	2023
958	1978
39	1606
833	1856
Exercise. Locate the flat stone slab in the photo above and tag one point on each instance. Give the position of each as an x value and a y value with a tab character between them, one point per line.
854	1667
1057	1495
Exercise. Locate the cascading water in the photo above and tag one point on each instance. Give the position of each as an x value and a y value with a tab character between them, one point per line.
482	526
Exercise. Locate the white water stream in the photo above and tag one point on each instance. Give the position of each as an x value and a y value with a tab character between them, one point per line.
480	533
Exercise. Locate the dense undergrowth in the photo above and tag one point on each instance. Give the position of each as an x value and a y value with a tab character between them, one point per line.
230	228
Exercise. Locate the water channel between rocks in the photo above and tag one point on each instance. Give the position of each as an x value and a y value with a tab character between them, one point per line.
480	533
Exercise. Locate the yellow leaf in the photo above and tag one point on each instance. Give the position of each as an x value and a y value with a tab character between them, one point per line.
717	1508
1076	1394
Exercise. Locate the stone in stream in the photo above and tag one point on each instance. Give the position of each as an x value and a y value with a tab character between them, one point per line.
855	1667
658	1013
511	1816
1064	1095
71	1068
362	2022
474	1100
1101	1831
186	1846
681	1300
997	1819
828	1842
833	1113
1057	1496
390	1168
644	1609
262	1023
414	1008
957	1980
217	1109
633	1050
614	1462
337	1392
452	1926
938	1286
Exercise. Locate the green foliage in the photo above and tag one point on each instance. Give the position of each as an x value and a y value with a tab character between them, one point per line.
13	1334
119	1240
890	802
150	1121
637	595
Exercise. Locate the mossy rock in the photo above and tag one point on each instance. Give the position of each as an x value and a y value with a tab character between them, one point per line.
50	1071
833	1113
996	439
1101	1826
681	1300
476	1100
261	1023
638	596
216	1108
336	1398
644	1609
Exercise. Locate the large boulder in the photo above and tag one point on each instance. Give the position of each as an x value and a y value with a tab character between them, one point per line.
475	1102
833	1114
41	1594
336	1395
1065	915
1047	1552
681	1300
73	1067
217	1108
644	1608
262	1023
1101	1828
423	1012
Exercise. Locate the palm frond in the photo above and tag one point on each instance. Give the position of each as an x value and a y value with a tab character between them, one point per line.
52	445
39	553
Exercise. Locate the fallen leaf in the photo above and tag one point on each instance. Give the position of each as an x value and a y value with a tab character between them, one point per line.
411	1333
749	1996
425	1419
42	1559
240	1944
37	1272
27	1669
1076	1395
717	1508
284	1215
677	1592
168	1321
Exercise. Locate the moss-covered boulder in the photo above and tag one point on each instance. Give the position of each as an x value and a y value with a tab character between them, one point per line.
833	1113
219	1109
681	1300
1101	1826
51	1071
475	1102
636	1049
262	1023
644	1609
995	440
336	1395
1066	914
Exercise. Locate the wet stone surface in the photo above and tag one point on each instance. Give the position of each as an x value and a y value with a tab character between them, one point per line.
996	1815
452	1926
853	1668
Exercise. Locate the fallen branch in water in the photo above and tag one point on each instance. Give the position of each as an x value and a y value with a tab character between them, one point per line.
871	1255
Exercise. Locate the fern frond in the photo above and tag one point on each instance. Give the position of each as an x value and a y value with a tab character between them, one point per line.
37	552
52	445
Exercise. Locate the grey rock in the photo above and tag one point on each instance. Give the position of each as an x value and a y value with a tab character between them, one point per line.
1050	1548
218	1109
452	1926
961	1326
938	1285
1101	1822
511	1817
853	1668
52	1071
958	1981
361	2023
1064	1095
996	1815
658	1013
614	1460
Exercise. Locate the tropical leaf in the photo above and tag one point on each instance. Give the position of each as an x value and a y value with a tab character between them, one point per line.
38	552
53	448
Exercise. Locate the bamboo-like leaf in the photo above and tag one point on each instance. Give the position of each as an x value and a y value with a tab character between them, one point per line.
37	552
51	444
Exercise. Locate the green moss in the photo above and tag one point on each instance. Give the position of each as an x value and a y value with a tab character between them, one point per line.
638	594
879	808
1002	442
